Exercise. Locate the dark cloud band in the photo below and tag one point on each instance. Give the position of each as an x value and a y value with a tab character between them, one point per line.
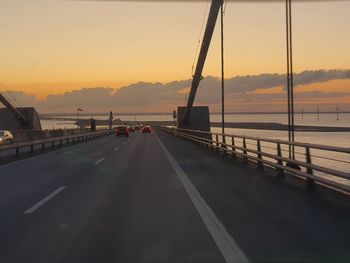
149	95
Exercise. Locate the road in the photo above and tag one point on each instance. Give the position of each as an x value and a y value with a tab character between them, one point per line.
157	198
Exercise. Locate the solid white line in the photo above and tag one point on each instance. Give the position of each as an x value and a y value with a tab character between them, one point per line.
43	201
100	160
227	245
116	149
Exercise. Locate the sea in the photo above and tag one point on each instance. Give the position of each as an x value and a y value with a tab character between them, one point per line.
341	139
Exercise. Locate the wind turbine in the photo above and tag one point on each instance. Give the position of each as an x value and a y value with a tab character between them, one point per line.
302	112
337	110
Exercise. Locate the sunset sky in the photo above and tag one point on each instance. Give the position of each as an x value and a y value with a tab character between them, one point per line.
53	47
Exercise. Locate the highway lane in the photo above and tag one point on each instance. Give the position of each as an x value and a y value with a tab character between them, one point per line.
25	152
41	173
25	182
127	200
271	219
107	200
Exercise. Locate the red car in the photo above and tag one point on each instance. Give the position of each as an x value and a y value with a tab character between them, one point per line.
131	129
122	130
146	129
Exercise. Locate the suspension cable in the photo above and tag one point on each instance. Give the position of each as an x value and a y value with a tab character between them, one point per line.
197	48
225	7
290	81
5	93
222	73
9	96
200	35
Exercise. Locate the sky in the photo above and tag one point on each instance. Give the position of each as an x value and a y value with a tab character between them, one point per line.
54	47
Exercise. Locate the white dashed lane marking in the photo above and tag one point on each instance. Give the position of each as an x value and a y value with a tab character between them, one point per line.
44	200
100	160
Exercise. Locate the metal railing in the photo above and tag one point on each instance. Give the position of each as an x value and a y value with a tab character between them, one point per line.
321	164
15	148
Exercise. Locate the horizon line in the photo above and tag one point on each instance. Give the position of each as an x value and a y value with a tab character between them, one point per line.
170	113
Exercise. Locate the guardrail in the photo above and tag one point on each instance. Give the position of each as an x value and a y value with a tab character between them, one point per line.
52	142
325	165
30	135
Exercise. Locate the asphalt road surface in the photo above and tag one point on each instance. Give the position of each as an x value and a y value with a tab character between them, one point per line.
157	198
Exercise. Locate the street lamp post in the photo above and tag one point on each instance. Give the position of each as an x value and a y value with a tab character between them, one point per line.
174	118
222	74
78	110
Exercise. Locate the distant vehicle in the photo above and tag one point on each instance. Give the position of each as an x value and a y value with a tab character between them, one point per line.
131	129
146	129
122	130
137	128
5	137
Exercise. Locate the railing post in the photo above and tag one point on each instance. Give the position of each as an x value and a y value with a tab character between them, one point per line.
223	144
17	151
43	146
32	148
216	146
280	171
211	141
198	135
202	138
233	147
52	144
245	158
204	142
260	164
189	134
310	182
60	143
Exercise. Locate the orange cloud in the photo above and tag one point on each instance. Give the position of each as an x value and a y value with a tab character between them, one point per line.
184	90
338	85
273	90
43	89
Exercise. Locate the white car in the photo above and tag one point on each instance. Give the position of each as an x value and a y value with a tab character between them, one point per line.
5	137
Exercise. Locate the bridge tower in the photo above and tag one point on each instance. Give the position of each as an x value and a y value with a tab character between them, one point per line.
191	117
12	118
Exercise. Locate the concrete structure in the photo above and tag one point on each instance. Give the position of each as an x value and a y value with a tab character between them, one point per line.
198	119
8	120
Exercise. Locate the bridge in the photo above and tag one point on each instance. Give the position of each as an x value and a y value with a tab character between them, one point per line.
163	197
179	194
